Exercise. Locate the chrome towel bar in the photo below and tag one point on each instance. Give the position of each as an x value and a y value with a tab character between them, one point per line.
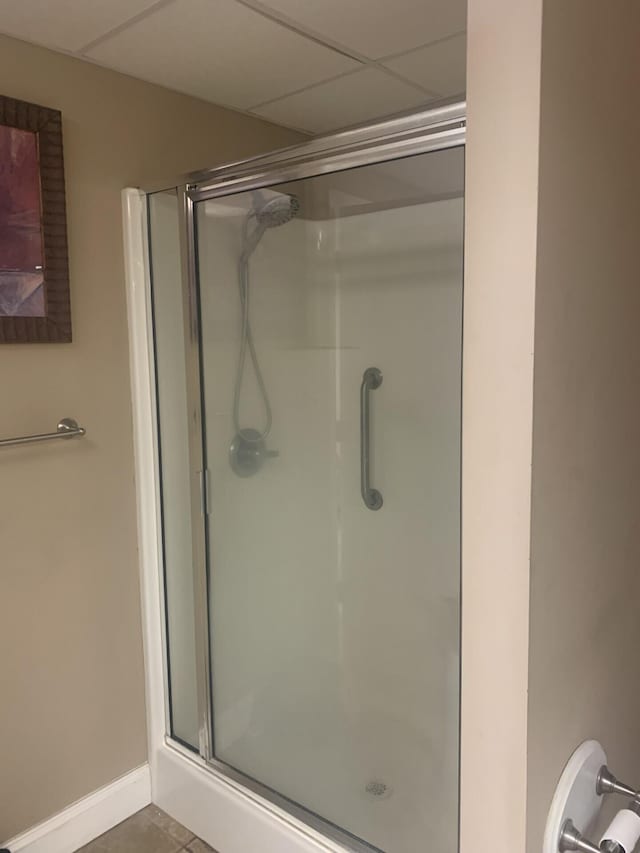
67	428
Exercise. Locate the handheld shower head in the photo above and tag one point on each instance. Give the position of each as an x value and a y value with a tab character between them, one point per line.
270	212
276	211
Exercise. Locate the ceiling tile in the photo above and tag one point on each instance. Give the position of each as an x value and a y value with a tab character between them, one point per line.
376	28
221	51
349	100
440	67
66	24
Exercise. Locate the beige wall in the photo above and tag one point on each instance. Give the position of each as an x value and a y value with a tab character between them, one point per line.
71	673
585	575
500	267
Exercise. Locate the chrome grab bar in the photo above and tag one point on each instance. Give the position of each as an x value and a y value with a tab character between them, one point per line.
67	428
371	379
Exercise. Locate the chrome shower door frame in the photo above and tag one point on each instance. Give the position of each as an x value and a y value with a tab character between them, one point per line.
416	133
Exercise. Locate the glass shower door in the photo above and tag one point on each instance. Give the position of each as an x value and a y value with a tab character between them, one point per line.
331	325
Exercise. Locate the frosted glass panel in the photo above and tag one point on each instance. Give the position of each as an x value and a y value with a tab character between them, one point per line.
164	247
335	627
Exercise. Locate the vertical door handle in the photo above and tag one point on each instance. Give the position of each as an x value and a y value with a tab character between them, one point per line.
371	379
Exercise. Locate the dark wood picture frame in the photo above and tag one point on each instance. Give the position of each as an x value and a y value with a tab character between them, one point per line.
55	325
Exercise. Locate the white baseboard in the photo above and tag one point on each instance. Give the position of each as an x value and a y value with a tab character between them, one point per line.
88	818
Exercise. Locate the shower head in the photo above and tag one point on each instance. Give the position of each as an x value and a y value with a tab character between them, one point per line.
276	211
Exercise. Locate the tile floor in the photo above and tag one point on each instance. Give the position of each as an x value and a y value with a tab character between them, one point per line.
148	831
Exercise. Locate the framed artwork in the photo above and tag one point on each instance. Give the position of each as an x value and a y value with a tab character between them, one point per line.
34	266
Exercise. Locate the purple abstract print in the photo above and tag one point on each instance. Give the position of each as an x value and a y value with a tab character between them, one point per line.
21	245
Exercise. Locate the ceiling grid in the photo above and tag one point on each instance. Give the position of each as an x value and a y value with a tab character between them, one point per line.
315	65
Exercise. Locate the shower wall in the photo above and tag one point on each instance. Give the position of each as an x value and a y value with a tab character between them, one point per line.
316	597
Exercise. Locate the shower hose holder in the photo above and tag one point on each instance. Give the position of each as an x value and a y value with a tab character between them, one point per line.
577	801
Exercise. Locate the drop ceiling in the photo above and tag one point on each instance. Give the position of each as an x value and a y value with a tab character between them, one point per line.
313	65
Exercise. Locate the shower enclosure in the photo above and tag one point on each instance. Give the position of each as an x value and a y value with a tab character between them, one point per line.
306	310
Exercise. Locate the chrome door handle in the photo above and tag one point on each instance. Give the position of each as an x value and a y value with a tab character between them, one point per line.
371	379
